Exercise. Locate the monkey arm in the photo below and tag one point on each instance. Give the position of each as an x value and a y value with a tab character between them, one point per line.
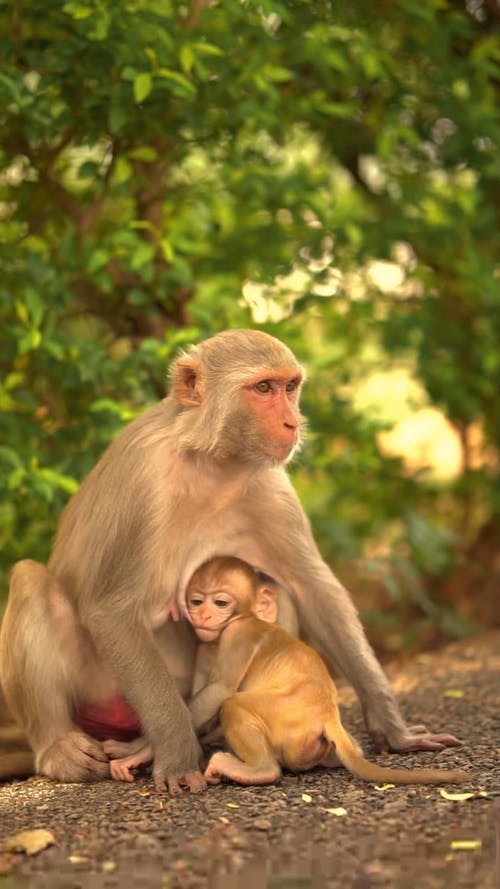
207	698
205	659
130	650
112	554
207	702
328	618
230	659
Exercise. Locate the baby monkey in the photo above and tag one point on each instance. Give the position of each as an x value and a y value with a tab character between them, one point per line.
273	695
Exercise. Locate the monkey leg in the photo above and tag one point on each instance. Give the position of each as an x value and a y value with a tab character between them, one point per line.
41	667
254	762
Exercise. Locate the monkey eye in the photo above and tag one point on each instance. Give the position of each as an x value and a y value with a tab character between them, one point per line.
292	385
195	601
263	386
222	603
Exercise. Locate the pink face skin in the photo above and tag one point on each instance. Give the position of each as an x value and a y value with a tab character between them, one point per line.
210	611
272	399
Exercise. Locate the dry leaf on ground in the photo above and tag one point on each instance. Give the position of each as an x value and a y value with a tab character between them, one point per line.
460	797
31	842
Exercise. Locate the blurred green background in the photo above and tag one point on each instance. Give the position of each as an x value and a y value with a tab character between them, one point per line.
327	171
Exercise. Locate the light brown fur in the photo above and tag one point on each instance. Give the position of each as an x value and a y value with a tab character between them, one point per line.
283	709
201	473
276	702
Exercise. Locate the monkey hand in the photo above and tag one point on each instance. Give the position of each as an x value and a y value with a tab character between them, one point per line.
182	769
194	781
74	758
403	738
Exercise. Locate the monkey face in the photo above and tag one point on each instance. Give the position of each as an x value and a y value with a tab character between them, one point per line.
244	388
271	405
210	611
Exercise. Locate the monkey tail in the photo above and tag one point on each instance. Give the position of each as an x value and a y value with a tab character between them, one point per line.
351	757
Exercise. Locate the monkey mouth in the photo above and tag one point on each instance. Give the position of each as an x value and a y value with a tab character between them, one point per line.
280	450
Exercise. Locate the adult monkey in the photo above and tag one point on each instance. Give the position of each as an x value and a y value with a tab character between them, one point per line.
199	474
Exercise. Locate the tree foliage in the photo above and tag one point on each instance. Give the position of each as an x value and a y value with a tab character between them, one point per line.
167	170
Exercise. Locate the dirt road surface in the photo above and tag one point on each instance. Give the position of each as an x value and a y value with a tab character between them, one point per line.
321	830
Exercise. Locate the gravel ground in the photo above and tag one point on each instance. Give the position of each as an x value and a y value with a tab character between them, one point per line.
113	836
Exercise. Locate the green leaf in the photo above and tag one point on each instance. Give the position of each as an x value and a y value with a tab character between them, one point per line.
122	171
143	84
106	404
97	260
186	57
208	49
177	79
167	249
278	74
128	73
142	255
13	380
11	86
8	455
22	311
16	478
117	117
144	153
54	348
58	480
35	305
101	21
29	341
78	11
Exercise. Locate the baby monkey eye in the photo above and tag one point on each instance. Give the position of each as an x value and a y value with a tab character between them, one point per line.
263	386
222	603
195	601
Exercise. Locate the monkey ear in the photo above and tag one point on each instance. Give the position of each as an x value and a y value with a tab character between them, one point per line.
186	384
266	604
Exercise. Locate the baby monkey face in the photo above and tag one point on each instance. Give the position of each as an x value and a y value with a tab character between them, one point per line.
210	611
217	595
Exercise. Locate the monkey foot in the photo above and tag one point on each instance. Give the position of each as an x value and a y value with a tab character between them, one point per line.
225	765
120	771
194	781
74	758
127	756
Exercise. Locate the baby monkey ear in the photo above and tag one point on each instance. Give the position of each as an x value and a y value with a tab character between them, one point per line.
186	382
266	604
